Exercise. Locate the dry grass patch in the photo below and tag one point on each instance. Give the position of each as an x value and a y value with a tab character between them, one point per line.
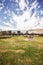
28	60
10	40
20	51
16	51
7	50
39	46
29	39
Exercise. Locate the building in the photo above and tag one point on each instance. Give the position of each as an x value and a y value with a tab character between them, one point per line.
35	31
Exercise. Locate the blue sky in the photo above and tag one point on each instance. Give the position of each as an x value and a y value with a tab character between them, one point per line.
21	14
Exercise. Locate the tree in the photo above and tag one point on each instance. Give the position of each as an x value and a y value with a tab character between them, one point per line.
18	32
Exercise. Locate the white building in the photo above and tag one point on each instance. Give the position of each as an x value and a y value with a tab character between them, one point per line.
36	31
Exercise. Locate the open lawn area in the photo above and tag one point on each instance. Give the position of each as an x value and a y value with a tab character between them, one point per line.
18	50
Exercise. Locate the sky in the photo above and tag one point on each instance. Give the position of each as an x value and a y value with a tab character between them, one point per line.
21	14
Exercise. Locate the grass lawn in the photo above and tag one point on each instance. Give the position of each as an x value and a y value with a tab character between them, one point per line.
18	50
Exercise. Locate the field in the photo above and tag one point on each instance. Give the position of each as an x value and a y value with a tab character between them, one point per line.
18	50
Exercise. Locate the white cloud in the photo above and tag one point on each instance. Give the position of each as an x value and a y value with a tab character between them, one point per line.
8	12
17	1
34	2
27	2
8	24
41	22
22	4
39	6
6	28
31	22
41	12
1	6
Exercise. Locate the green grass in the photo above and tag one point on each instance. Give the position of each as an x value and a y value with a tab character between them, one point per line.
18	51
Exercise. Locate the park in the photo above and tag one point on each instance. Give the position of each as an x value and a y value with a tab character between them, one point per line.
21	50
